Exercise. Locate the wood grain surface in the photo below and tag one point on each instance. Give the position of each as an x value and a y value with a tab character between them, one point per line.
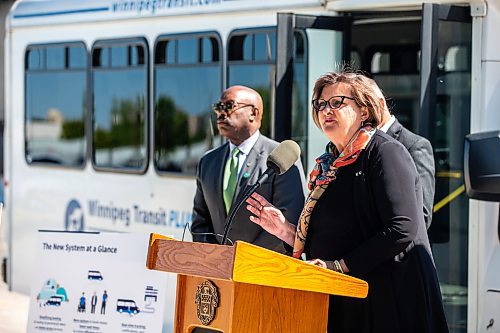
259	290
197	259
247	308
256	265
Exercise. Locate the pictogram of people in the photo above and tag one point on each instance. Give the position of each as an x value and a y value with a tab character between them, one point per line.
93	302
81	304
104	300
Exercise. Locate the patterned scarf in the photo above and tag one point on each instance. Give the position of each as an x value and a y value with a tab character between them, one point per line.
323	173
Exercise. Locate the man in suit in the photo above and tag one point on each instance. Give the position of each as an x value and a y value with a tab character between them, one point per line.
420	150
224	173
93	303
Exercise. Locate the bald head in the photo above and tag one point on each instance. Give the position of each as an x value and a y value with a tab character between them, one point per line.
245	117
246	95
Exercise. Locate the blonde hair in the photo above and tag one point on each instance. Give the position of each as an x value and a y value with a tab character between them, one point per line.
362	90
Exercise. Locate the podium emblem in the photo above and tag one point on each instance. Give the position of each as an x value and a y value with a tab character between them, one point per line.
207	300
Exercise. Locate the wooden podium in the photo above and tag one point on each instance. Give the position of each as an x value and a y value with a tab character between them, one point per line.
246	288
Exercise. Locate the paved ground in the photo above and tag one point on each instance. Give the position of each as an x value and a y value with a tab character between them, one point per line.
13	311
13	306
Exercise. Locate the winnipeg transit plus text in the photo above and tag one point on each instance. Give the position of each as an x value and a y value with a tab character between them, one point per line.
137	214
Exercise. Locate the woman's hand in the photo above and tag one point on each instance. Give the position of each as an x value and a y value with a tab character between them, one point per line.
318	262
337	265
270	218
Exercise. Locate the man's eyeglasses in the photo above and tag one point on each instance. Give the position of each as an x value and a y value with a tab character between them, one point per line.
333	102
229	106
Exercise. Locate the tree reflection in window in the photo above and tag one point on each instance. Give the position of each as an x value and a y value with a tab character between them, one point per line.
252	63
56	81
188	80
119	75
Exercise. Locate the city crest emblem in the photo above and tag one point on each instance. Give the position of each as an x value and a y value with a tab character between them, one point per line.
207	300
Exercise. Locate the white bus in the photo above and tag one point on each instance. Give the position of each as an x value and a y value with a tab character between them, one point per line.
108	110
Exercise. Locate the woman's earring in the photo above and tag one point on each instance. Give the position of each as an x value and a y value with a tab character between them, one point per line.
362	121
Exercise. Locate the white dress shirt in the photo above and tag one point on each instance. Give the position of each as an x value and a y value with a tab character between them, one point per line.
388	124
244	148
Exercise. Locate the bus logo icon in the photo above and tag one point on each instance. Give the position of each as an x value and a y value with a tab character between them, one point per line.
74	216
127	306
95	275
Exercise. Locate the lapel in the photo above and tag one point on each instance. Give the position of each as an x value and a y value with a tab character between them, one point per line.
249	169
395	130
218	179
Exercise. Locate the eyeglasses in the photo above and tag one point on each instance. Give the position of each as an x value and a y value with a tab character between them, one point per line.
333	102
229	106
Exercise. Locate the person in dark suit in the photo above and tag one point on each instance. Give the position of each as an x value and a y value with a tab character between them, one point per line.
363	216
239	115
420	150
93	302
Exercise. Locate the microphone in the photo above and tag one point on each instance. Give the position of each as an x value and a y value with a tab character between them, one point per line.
278	162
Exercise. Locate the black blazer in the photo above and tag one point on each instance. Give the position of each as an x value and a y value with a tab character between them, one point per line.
420	150
391	224
286	192
390	249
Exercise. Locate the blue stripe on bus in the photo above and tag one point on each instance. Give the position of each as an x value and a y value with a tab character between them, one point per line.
65	12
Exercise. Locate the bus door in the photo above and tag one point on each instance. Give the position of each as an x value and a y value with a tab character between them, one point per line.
307	46
421	59
445	102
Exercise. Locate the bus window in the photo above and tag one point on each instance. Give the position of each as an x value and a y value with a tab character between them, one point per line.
119	83
251	62
390	53
187	80
55	105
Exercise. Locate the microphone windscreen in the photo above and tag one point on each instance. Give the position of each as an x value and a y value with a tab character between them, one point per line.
283	156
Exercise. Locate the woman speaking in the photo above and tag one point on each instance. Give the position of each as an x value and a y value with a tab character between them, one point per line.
363	216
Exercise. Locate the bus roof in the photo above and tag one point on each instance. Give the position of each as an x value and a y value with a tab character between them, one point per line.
45	12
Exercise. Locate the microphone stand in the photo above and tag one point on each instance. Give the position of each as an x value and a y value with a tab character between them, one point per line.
247	194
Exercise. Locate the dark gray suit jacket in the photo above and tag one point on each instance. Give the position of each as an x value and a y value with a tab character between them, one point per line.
420	150
286	192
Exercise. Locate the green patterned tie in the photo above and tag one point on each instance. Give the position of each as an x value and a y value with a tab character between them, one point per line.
230	178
